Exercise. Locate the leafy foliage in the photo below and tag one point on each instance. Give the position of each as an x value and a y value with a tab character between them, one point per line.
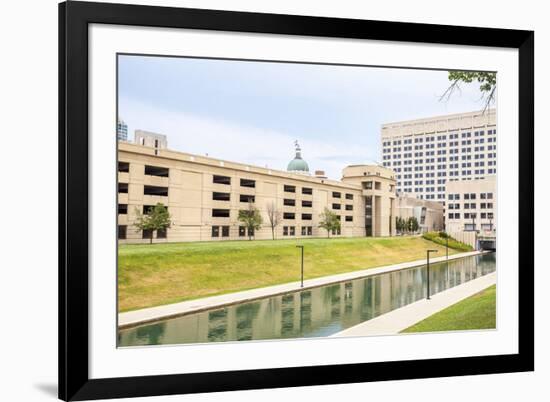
487	84
251	218
329	221
156	219
412	224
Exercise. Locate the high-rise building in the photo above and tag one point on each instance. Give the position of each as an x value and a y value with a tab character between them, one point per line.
121	130
426	154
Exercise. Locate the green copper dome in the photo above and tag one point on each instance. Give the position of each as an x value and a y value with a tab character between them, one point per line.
298	164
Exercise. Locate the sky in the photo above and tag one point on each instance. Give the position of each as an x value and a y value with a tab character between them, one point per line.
252	112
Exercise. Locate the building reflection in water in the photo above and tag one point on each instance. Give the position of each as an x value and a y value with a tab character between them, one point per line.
316	312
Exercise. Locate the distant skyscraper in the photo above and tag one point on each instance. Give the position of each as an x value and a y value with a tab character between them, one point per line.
122	131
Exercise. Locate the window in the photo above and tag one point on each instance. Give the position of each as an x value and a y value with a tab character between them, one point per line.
489	196
247	198
248	183
336	206
225	231
307	204
123	188
161	234
156	171
307	190
285	230
289	215
242	231
221	180
123	167
147	234
221	196
349	218
378	185
122	232
215	231
336	231
292	230
155	190
310	230
289	189
122	209
289	202
349	196
306	217
220	213
336	194
304	230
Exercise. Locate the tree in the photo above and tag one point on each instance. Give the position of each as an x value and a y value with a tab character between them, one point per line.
329	221
251	218
157	218
412	224
487	84
275	217
400	224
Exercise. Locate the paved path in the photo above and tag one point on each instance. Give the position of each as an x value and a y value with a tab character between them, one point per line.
397	320
142	316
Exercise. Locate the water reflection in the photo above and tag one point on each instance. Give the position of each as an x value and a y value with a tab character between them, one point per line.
311	313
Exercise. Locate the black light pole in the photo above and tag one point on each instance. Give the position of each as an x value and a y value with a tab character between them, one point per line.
302	248
428	273
447	245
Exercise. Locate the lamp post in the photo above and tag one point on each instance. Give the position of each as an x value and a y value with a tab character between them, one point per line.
428	271
447	245
302	250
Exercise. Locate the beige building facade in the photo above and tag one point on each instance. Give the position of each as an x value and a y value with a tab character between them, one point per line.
429	214
204	196
472	205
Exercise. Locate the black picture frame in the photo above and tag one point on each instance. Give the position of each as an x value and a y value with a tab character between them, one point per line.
74	18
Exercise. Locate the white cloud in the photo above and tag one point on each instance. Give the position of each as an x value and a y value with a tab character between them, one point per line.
237	142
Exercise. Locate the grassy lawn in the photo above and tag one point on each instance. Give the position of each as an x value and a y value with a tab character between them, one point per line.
475	312
151	275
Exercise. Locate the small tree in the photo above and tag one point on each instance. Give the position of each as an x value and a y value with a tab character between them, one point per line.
400	224
275	217
412	224
157	218
329	221
251	218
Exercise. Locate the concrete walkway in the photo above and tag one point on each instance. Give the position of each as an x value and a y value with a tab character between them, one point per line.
146	315
397	320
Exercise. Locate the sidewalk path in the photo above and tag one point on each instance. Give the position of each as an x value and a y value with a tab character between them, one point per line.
397	320
138	317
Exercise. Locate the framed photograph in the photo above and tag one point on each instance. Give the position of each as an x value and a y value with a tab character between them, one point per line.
258	200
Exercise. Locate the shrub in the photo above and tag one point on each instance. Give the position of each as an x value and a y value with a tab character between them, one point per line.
436	237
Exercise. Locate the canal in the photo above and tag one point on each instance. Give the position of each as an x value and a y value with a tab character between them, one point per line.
316	312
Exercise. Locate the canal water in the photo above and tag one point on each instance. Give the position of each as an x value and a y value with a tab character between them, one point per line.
315	312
